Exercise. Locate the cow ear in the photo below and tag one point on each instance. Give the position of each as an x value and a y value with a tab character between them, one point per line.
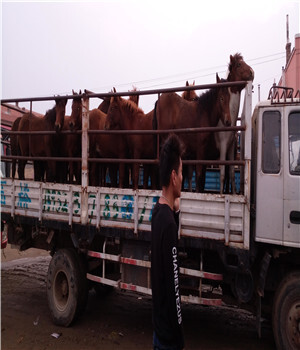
218	79
187	83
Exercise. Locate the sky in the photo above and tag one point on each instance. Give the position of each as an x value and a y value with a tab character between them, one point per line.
50	48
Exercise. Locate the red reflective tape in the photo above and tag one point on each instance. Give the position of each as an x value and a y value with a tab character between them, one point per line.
94	254
212	276
129	261
128	286
211	302
94	278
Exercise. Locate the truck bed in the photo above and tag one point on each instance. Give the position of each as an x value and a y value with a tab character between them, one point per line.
224	218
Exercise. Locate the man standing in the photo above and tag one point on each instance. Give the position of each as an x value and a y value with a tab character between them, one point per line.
167	316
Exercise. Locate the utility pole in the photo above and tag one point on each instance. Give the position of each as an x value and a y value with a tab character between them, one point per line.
288	44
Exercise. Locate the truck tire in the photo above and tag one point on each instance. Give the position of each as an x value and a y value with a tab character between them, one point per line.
66	287
286	313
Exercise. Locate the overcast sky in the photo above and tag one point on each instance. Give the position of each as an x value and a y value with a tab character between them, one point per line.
50	48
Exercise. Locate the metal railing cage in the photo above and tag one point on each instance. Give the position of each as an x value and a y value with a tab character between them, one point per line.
243	129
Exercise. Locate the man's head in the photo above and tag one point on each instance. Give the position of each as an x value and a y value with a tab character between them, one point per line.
170	164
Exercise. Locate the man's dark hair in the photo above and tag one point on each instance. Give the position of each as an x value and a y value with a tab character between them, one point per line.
170	155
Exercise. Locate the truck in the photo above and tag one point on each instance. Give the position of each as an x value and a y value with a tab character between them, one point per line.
241	249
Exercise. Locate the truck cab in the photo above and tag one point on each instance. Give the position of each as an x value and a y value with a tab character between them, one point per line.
275	204
276	157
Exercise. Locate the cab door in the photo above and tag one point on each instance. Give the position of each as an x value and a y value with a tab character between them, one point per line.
269	177
292	177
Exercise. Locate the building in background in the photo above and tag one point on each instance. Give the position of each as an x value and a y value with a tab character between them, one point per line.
291	72
10	112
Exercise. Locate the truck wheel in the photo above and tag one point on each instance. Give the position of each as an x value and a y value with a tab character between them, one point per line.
286	313
66	287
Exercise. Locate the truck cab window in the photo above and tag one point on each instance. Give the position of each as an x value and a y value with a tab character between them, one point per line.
271	143
294	143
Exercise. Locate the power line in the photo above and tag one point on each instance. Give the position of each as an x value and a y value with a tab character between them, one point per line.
213	73
204	70
191	75
275	59
259	58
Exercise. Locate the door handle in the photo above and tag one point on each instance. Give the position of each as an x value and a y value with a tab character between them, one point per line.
295	217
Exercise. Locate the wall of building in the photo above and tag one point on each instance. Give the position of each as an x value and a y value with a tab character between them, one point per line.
291	74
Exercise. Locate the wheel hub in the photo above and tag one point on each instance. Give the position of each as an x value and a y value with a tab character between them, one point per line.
61	291
64	288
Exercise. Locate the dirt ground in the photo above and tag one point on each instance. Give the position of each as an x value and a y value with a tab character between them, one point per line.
121	320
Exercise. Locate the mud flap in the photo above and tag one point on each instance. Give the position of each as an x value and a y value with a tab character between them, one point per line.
260	289
258	316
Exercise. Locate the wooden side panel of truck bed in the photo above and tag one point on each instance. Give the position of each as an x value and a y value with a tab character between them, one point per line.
210	216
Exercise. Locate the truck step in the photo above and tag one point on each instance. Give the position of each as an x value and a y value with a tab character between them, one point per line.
211	299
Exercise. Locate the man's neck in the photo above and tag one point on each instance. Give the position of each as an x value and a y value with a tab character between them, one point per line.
167	198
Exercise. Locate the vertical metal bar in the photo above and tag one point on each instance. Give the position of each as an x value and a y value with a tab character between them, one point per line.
103	261
13	204
247	119
247	157
227	220
157	135
242	147
201	269
40	201
70	199
84	164
98	197
148	278
136	212
29	139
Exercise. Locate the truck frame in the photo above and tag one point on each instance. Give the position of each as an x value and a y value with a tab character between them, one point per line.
231	247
